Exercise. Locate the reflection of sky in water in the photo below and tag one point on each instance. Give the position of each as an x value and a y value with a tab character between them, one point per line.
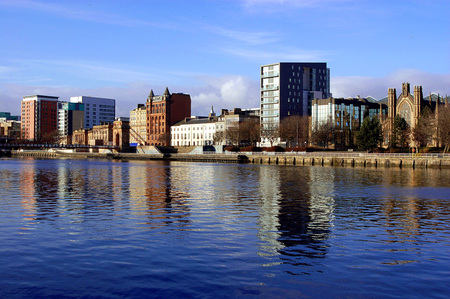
271	222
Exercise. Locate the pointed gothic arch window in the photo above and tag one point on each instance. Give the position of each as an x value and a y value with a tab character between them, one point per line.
405	112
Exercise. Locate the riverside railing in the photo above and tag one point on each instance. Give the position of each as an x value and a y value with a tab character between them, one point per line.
343	155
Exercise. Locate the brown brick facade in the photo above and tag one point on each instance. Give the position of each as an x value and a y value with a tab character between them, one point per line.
164	111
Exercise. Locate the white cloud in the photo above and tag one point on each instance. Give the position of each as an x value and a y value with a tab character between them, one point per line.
279	54
225	93
89	12
252	38
378	87
221	92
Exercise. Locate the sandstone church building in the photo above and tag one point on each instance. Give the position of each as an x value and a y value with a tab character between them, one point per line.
410	106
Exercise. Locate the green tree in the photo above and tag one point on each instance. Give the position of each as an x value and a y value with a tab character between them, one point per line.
400	133
370	134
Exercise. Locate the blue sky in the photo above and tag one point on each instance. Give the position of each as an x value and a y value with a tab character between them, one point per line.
213	49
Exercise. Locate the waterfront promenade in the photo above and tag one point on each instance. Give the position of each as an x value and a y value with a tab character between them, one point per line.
299	159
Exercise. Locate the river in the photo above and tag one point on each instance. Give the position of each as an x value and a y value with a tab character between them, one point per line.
157	229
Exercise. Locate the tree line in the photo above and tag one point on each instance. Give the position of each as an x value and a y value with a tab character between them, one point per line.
371	134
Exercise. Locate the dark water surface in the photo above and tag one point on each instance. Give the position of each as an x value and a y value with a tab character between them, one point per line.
98	228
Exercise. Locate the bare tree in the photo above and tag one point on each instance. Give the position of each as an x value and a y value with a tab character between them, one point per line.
219	137
51	137
270	133
324	133
232	135
444	127
294	129
423	131
249	131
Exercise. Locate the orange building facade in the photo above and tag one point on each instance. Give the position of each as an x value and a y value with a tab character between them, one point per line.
164	111
39	116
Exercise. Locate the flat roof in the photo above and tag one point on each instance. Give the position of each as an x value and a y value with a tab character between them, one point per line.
41	96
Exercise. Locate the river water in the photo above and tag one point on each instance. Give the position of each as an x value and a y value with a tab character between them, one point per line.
102	228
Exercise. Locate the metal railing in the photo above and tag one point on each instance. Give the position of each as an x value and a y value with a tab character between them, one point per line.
343	155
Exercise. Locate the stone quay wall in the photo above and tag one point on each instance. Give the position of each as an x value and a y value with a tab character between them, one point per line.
353	159
298	159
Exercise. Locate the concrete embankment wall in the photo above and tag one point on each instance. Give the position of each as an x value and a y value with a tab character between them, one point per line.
365	161
432	161
213	158
85	155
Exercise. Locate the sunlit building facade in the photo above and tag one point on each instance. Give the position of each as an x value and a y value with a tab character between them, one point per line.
163	111
138	125
70	117
97	111
39	115
288	88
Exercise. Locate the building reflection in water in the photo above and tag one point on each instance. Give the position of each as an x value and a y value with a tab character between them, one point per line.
269	222
39	187
27	191
296	213
73	187
152	193
408	206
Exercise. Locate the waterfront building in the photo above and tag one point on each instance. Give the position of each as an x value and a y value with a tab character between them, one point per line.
39	116
211	130
70	117
9	126
410	106
97	111
235	121
9	129
231	124
116	134
288	88
193	131
7	116
138	125
163	111
346	115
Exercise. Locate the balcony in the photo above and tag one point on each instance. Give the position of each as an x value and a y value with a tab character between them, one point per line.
270	87
269	113
270	74
269	101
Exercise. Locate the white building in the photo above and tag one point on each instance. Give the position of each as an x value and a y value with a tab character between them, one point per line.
193	132
211	130
97	111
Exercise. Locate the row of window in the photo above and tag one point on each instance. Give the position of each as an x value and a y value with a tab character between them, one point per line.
194	136
186	128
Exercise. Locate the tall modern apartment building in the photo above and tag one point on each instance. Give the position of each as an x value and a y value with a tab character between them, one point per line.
97	111
288	88
70	117
39	114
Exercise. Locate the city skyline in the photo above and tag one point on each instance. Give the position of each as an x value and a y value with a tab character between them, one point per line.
213	50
